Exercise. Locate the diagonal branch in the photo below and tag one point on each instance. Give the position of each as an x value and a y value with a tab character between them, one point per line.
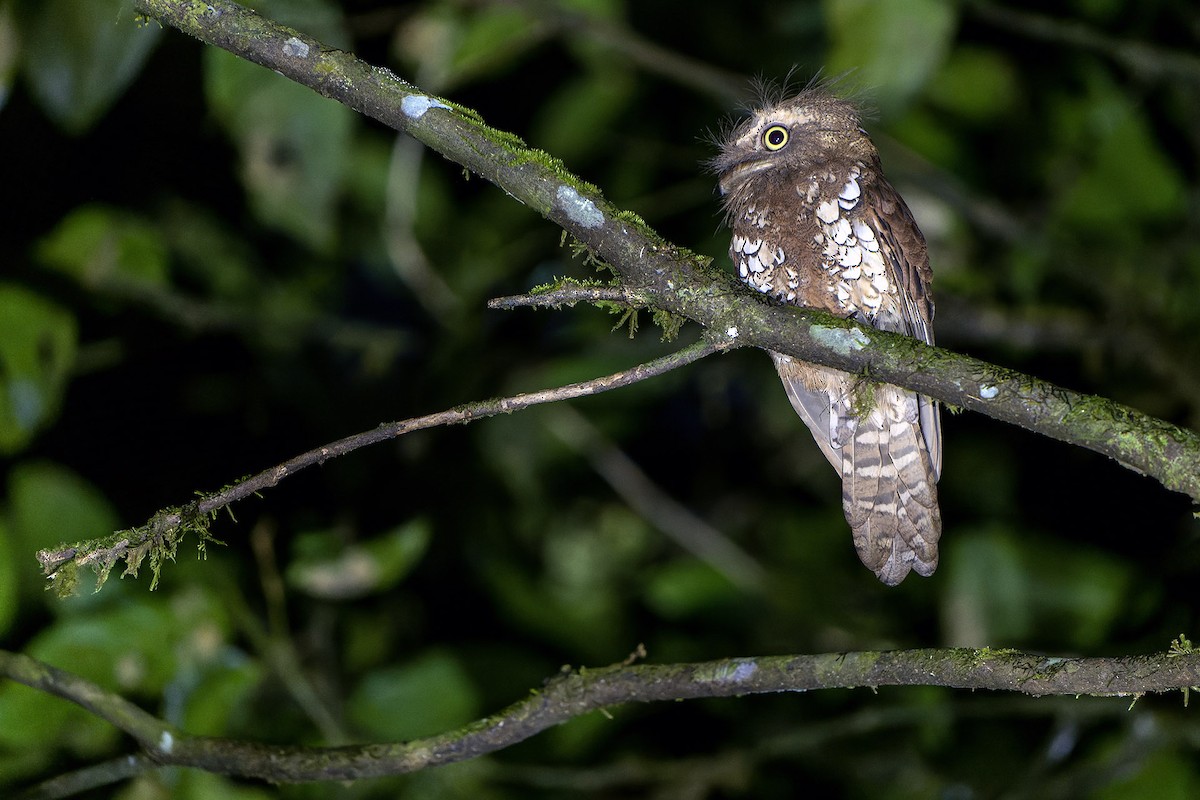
677	281
159	538
575	693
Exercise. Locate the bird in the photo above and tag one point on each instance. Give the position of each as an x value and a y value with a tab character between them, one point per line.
815	223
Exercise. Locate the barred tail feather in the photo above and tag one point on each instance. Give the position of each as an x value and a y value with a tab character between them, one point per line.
889	490
889	461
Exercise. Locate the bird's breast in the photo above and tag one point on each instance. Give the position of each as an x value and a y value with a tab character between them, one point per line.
809	243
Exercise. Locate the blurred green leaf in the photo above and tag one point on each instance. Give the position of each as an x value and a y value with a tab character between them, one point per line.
576	737
79	56
893	46
490	37
211	254
466	780
98	244
329	568
293	145
1163	776
194	784
567	121
9	575
1003	589
220	698
977	84
430	694
687	587
50	505
1126	178
578	596
37	349
127	649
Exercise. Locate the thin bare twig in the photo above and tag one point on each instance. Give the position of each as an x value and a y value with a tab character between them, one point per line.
468	412
165	529
567	295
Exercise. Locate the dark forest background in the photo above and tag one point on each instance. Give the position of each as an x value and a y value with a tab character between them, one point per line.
207	269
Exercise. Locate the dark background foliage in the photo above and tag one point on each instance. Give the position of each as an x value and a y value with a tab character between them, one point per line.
208	269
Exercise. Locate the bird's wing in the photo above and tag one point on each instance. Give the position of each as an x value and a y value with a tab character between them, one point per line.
907	261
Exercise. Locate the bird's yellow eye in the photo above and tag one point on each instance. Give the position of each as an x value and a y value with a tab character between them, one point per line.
775	137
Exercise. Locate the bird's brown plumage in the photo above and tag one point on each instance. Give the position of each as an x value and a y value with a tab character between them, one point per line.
815	223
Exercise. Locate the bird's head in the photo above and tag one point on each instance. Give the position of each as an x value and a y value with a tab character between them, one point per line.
795	140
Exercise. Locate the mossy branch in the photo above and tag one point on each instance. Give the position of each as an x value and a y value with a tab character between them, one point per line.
573	693
676	281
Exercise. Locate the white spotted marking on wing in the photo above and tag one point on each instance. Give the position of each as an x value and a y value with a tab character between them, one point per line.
841	232
827	212
866	236
848	197
850	249
757	262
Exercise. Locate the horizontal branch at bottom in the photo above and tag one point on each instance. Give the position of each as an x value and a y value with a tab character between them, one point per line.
573	693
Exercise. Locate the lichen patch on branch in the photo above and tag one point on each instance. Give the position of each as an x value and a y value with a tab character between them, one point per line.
578	208
414	106
295	48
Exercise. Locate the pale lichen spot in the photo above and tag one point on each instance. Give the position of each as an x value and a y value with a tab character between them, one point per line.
737	672
839	340
744	671
166	742
578	208
731	332
295	48
414	106
987	391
